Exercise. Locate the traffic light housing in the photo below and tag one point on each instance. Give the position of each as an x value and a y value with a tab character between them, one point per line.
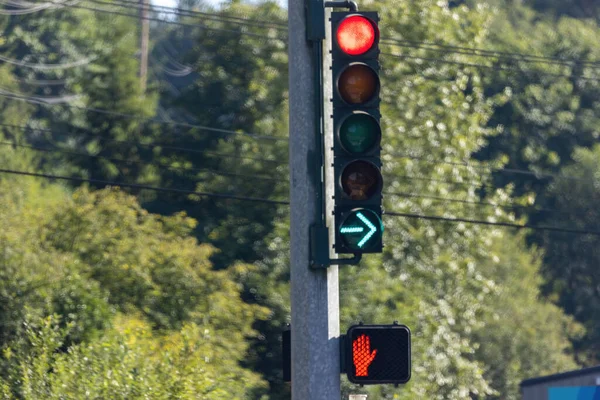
377	354
357	141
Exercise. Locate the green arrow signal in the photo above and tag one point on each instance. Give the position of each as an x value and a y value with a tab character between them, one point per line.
360	229
371	231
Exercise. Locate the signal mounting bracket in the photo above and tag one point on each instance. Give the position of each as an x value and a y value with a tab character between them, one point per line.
319	250
349	4
315	20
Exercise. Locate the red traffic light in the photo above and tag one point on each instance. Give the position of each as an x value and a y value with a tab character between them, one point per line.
356	35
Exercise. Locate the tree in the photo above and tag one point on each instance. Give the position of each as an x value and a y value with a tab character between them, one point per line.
237	90
570	261
126	363
95	286
75	60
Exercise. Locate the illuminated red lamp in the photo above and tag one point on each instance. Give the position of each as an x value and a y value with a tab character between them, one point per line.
356	35
362	356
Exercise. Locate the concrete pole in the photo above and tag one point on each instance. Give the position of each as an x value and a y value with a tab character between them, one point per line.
314	293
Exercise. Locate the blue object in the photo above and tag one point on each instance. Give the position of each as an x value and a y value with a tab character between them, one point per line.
574	393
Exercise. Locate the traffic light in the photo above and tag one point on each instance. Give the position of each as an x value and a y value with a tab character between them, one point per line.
378	354
357	142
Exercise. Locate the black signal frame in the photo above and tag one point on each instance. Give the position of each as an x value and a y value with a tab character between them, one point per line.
344	205
400	360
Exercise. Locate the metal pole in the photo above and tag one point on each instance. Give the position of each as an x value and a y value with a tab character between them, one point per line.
314	293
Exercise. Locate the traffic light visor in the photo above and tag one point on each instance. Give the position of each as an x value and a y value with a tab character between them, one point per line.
358	84
356	35
359	133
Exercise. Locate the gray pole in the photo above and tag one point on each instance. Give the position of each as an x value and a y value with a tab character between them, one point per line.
314	293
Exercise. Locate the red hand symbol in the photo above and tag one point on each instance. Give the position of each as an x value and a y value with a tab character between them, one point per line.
361	354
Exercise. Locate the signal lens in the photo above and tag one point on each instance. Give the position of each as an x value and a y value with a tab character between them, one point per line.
361	229
358	84
360	180
359	133
356	35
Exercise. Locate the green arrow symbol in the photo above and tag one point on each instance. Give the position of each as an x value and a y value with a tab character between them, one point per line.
372	229
352	229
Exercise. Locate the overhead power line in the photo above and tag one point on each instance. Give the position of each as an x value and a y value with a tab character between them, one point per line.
491	67
150	120
220	17
45	99
510	56
489	223
47	67
283	202
57	149
166	21
145	187
480	203
481	166
153	145
26	7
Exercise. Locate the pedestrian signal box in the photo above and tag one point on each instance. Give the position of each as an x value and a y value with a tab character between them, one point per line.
377	354
357	141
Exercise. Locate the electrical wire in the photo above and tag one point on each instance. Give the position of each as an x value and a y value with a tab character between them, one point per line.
481	167
474	51
45	99
180	73
174	22
513	56
26	10
518	57
283	202
481	203
30	8
144	187
140	163
47	67
492	67
193	13
447	182
152	120
154	145
489	223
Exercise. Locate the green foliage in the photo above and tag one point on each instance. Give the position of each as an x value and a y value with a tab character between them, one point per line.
240	80
516	318
105	76
126	363
67	265
570	262
36	281
550	111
